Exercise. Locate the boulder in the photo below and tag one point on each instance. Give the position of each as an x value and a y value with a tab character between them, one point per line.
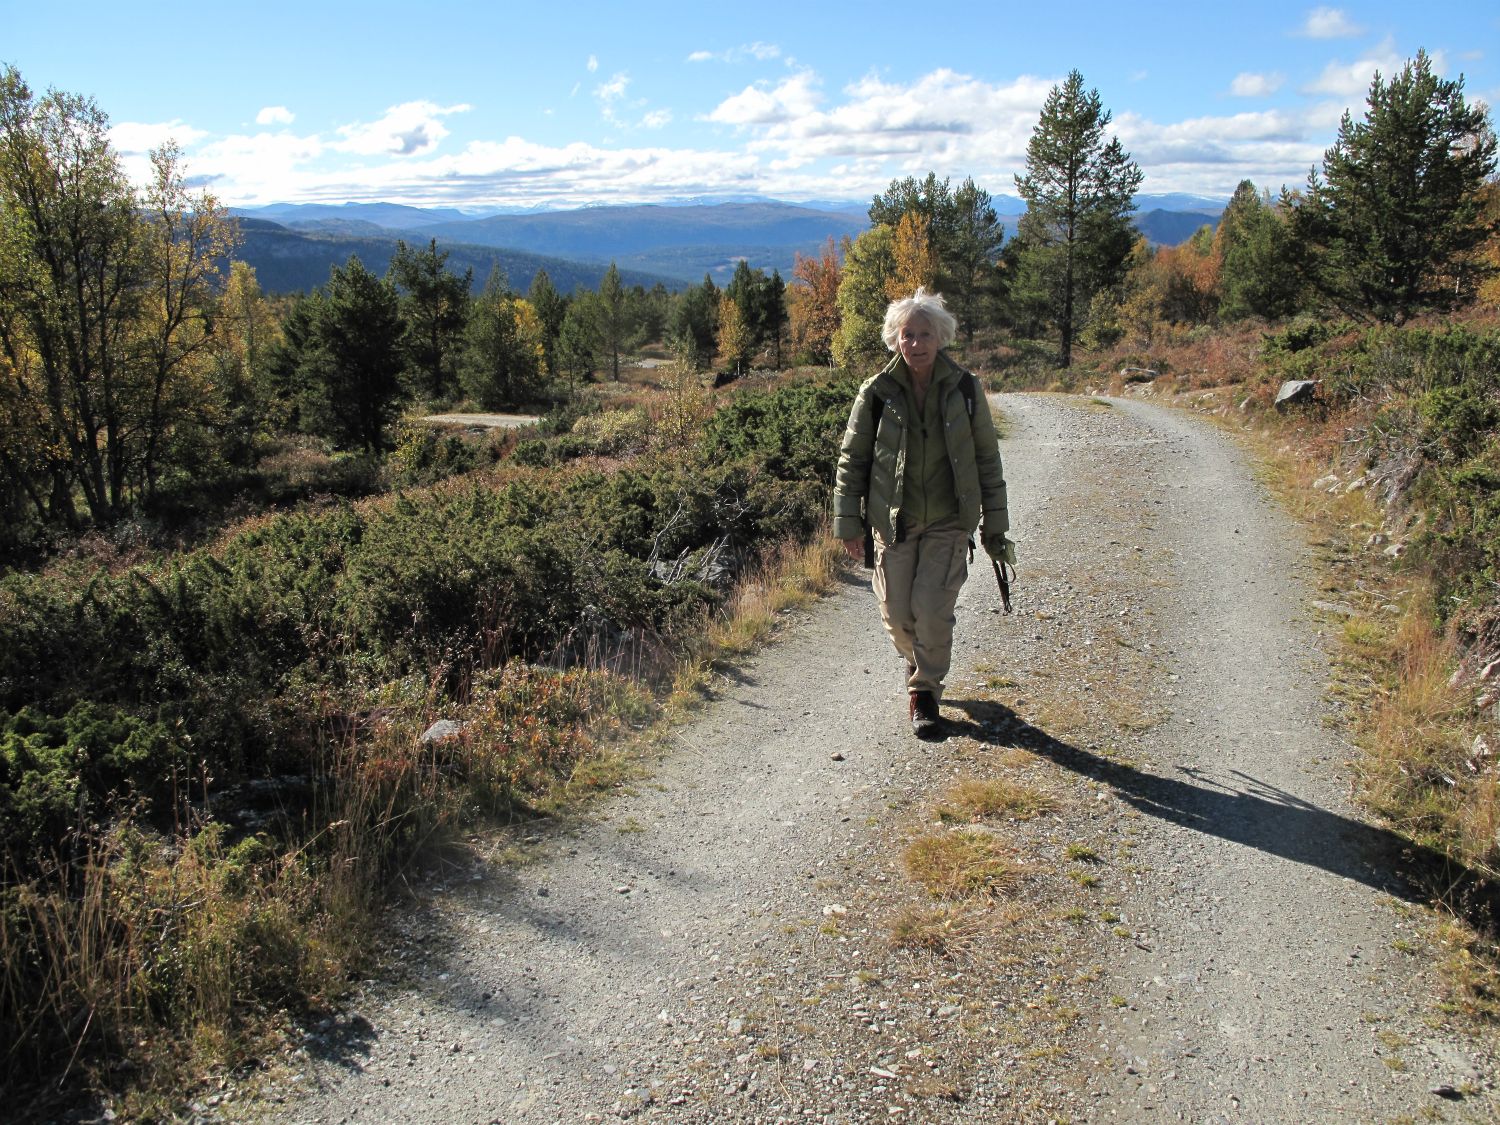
1295	391
443	730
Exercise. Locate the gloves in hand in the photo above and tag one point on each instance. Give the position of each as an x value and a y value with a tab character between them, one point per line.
1001	549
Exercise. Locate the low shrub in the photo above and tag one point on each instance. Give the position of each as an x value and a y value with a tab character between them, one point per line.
316	644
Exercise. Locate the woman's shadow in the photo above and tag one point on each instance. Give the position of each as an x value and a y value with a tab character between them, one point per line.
1244	810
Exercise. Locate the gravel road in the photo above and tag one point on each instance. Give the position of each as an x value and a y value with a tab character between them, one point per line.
484	421
1207	928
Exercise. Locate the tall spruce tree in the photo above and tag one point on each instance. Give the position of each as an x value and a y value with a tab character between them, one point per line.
773	315
356	365
1257	271
1076	235
503	353
615	319
435	305
969	260
551	308
693	327
744	290
1393	223
962	233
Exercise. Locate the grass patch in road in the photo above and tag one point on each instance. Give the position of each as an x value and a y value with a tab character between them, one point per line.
944	929
962	864
956	865
1129	716
981	798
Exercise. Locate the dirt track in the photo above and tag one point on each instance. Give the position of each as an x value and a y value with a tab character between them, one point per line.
1207	929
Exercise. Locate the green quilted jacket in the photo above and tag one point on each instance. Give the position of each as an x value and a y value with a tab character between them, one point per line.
872	464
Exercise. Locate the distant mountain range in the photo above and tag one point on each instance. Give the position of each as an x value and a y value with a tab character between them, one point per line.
293	246
288	260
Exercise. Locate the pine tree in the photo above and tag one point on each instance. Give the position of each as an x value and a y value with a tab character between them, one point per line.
1257	272
1393	222
502	364
744	290
435	305
963	236
773	314
969	263
614	320
693	325
551	308
1076	236
357	358
578	341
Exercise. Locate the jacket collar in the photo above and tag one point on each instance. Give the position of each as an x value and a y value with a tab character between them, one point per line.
943	369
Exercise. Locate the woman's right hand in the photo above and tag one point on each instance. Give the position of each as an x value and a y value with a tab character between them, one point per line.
854	548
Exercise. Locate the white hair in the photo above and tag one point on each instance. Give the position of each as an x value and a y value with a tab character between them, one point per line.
927	305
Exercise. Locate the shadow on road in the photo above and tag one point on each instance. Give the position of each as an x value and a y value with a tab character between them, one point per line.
1244	810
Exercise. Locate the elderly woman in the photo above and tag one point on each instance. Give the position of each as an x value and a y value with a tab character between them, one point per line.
920	468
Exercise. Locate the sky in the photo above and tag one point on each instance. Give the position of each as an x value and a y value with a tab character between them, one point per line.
576	102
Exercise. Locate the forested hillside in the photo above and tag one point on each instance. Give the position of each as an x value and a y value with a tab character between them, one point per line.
241	575
288	260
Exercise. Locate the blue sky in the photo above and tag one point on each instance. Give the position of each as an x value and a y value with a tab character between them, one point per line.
573	103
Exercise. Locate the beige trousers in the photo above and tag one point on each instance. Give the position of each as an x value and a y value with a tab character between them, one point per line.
916	582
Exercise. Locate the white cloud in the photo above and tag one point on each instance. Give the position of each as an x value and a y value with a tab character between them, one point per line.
518	171
760	105
263	168
1329	23
593	63
949	120
275	115
621	112
613	90
135	138
1275	142
761	52
1351	81
792	138
410	129
1247	85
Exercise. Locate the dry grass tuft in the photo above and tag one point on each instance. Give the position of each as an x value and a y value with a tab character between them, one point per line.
1471	972
981	798
944	929
957	865
1428	766
792	576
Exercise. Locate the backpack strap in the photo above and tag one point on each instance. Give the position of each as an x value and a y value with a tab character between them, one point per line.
966	387
877	407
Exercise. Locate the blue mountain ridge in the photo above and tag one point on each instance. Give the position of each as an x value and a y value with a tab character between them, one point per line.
293	246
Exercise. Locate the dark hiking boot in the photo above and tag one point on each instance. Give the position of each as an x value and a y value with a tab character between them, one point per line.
926	722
